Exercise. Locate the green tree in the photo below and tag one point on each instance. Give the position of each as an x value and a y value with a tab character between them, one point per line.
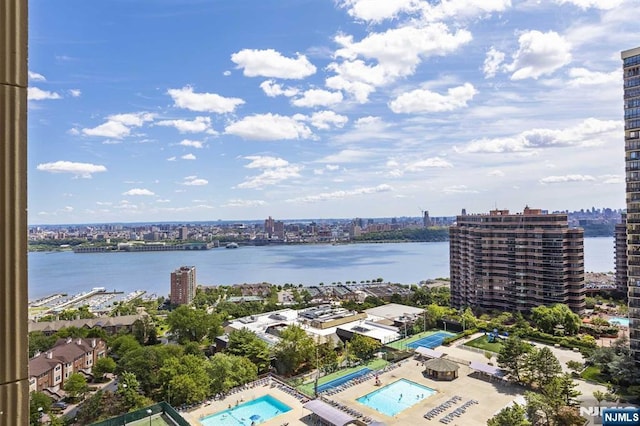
144	330
468	319
145	362
542	366
229	371
364	347
121	345
76	385
193	325
129	393
39	342
39	403
103	366
294	351
513	357
246	343
327	357
599	396
547	318
514	415
189	376
575	366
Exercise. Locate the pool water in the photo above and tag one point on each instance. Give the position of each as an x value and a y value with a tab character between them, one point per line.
431	341
396	397
258	410
342	380
619	321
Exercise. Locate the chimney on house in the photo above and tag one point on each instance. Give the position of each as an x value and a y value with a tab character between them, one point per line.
37	354
93	343
79	341
49	355
69	339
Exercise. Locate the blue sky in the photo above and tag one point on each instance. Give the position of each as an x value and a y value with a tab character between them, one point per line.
167	110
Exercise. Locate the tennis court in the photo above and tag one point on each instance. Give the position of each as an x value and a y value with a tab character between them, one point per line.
342	380
431	341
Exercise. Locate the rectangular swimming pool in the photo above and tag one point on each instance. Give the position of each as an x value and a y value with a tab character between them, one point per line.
396	397
431	341
256	411
342	380
619	321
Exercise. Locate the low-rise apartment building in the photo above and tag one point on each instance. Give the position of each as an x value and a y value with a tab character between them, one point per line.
49	370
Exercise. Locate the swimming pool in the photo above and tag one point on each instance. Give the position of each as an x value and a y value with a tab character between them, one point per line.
619	321
396	397
431	341
258	410
342	380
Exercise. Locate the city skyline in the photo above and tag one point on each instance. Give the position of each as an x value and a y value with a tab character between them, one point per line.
198	111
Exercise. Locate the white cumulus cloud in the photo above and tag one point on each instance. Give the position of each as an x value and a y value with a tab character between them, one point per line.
584	77
492	62
596	4
567	178
539	54
197	125
75	93
265	162
244	203
119	126
589	132
138	191
194	181
273	89
268	127
192	144
34	76
203	102
422	100
325	119
271	176
389	55
37	94
317	97
188	157
336	195
271	63
84	170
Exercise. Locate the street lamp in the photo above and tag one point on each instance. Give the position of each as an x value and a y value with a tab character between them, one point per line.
149	412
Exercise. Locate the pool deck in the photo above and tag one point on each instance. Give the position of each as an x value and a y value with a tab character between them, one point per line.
491	396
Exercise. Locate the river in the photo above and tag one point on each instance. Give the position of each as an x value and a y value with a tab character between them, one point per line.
405	263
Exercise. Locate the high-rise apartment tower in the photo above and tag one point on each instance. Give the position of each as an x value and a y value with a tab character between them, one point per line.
515	262
183	285
620	241
631	76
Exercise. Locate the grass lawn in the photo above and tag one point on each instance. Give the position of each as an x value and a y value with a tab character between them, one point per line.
593	373
375	364
482	343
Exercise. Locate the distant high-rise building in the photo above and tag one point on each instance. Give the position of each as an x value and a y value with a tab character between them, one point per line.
183	285
631	77
269	225
621	255
515	262
426	221
183	233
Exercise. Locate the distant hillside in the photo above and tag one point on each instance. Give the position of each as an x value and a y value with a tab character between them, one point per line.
434	233
598	229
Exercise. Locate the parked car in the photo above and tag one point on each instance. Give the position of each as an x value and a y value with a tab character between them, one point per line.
61	405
